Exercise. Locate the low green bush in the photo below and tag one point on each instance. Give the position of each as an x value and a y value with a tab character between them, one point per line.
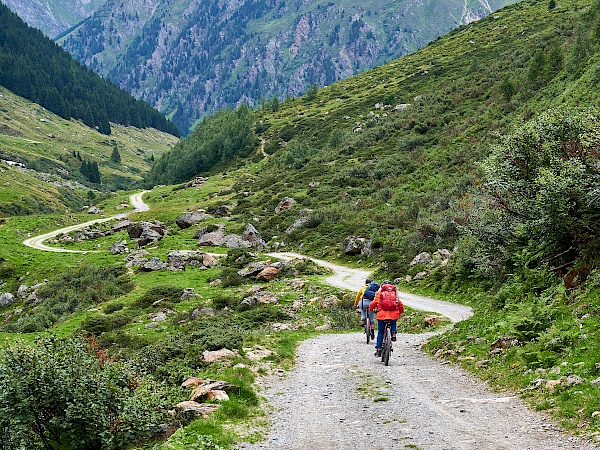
161	292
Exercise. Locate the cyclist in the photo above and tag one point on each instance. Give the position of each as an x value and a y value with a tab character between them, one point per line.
389	307
362	302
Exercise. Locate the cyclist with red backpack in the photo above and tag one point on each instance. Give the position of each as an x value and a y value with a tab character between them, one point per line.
389	307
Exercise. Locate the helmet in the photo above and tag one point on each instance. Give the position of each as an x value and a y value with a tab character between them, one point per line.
396	280
387	282
368	280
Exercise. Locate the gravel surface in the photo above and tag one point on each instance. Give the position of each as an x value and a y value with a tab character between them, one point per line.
339	396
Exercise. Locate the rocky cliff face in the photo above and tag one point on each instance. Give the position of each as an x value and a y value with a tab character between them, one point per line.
188	58
53	17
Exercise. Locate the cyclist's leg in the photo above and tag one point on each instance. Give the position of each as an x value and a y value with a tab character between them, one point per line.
380	330
393	329
372	318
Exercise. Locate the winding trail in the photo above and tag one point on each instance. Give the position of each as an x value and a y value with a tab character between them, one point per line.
37	242
353	279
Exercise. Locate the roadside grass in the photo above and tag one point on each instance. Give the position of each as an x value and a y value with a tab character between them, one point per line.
551	360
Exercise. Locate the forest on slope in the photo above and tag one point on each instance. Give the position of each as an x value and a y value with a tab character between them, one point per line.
37	69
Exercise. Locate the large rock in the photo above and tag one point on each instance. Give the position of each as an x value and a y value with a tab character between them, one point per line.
252	269
285	204
22	291
268	273
6	299
260	298
201	409
147	232
190	219
121	226
153	264
252	236
296	224
357	245
422	258
119	248
213	356
213	239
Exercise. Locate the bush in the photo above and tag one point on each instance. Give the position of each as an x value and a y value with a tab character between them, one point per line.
103	323
161	292
64	391
230	277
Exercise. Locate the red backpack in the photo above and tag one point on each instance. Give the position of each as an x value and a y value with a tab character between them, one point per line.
387	297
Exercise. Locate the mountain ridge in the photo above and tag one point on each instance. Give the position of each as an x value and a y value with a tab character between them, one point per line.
245	52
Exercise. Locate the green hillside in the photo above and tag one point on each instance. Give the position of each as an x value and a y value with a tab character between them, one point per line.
488	149
50	150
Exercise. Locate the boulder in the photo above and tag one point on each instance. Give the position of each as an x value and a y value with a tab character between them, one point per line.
119	248
234	241
267	274
420	276
121	226
296	224
209	260
285	204
187	293
6	299
213	356
252	269
213	239
22	292
192	382
201	409
357	245
190	219
422	258
252	236
153	264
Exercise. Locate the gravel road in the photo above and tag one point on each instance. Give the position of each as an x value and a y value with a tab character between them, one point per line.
339	396
37	242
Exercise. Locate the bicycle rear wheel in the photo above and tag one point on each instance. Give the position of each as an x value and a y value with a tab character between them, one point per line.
387	346
368	328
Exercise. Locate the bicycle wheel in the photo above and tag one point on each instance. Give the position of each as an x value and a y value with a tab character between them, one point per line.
386	359
368	328
387	346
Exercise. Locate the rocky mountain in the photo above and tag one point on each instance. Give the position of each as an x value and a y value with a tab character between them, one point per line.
188	58
53	17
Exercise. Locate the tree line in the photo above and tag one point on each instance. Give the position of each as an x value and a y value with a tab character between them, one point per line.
34	67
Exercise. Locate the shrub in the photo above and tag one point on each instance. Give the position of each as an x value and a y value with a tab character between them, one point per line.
170	293
230	277
63	391
103	323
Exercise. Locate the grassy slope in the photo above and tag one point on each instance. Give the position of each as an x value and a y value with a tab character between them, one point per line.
45	142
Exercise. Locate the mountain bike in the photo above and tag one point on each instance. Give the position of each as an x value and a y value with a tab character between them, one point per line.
368	323
386	345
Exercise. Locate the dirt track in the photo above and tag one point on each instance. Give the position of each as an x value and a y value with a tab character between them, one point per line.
37	242
339	396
